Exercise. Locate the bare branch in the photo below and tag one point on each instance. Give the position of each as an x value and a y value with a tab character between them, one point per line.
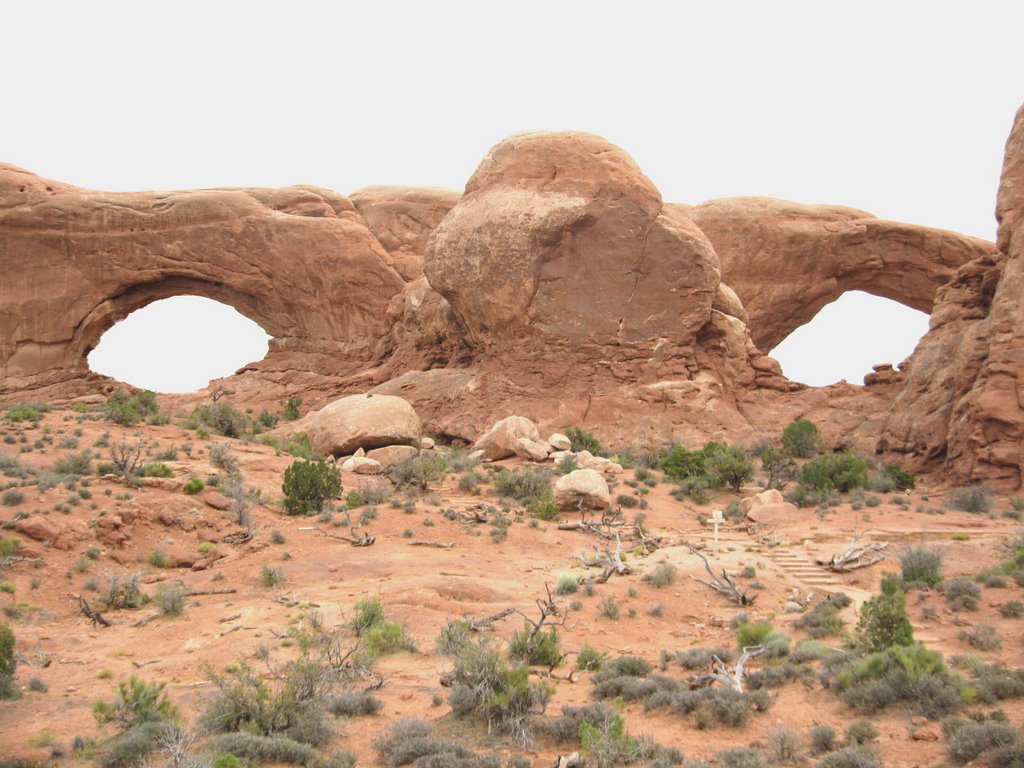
855	556
723	583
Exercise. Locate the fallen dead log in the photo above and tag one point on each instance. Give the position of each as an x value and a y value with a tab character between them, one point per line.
855	556
434	544
730	678
724	583
199	592
93	615
365	540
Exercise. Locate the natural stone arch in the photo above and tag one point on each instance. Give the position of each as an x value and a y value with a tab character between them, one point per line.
786	260
300	262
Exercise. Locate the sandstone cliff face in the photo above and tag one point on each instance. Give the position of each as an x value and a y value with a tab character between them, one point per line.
786	261
962	401
298	261
402	218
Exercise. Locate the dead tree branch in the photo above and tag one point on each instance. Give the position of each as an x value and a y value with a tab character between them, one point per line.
723	583
433	544
94	616
610	561
722	674
855	556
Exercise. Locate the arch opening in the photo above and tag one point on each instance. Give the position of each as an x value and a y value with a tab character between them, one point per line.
178	344
847	337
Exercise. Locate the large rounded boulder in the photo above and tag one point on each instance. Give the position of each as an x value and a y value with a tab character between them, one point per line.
582	489
364	421
560	235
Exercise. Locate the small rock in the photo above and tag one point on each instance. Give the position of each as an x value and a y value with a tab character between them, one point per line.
926	733
559	442
216	499
392	454
426	443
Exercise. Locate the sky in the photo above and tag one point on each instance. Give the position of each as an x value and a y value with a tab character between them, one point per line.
901	109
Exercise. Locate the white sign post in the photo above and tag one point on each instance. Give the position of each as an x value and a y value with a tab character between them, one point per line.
716	520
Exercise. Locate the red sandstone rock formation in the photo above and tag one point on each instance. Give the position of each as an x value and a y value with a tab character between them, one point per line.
786	261
299	261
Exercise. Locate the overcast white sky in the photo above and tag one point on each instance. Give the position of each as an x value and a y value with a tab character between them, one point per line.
901	109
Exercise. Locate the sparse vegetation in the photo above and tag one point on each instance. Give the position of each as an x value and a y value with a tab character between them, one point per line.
308	485
921	565
976	499
801	439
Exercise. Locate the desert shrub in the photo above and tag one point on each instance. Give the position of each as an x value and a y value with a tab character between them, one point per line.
679	463
582	440
1010	756
776	676
411	742
453	637
567	584
971	740
1012	609
523	486
541	648
170	600
901	481
123	591
259	748
369	614
627	500
74	464
609	607
663	575
353	703
132	747
730	466
157	469
606	743
158	558
701	658
624	666
137	702
13	497
589	659
292	705
122	408
387	637
566	728
984	637
270	577
850	757
861	732
751	633
801	439
194	486
543	507
308	485
921	565
995	682
222	418
823	739
742	757
884	621
823	620
810	650
804	497
418	472
961	594
8	663
483	685
783	745
841	472
912	676
976	499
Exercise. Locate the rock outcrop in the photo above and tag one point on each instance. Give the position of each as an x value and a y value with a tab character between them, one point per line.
582	489
364	422
299	261
786	261
561	238
402	218
963	400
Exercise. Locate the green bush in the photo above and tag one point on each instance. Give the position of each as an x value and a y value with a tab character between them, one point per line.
750	634
308	485
482	685
122	408
8	663
194	486
290	409
222	418
170	600
800	438
860	733
132	747
265	749
731	466
542	648
901	481
387	637
884	621
353	703
589	659
74	464
961	594
823	619
850	757
835	471
567	584
582	440
543	507
137	702
680	463
523	486
823	739
157	469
